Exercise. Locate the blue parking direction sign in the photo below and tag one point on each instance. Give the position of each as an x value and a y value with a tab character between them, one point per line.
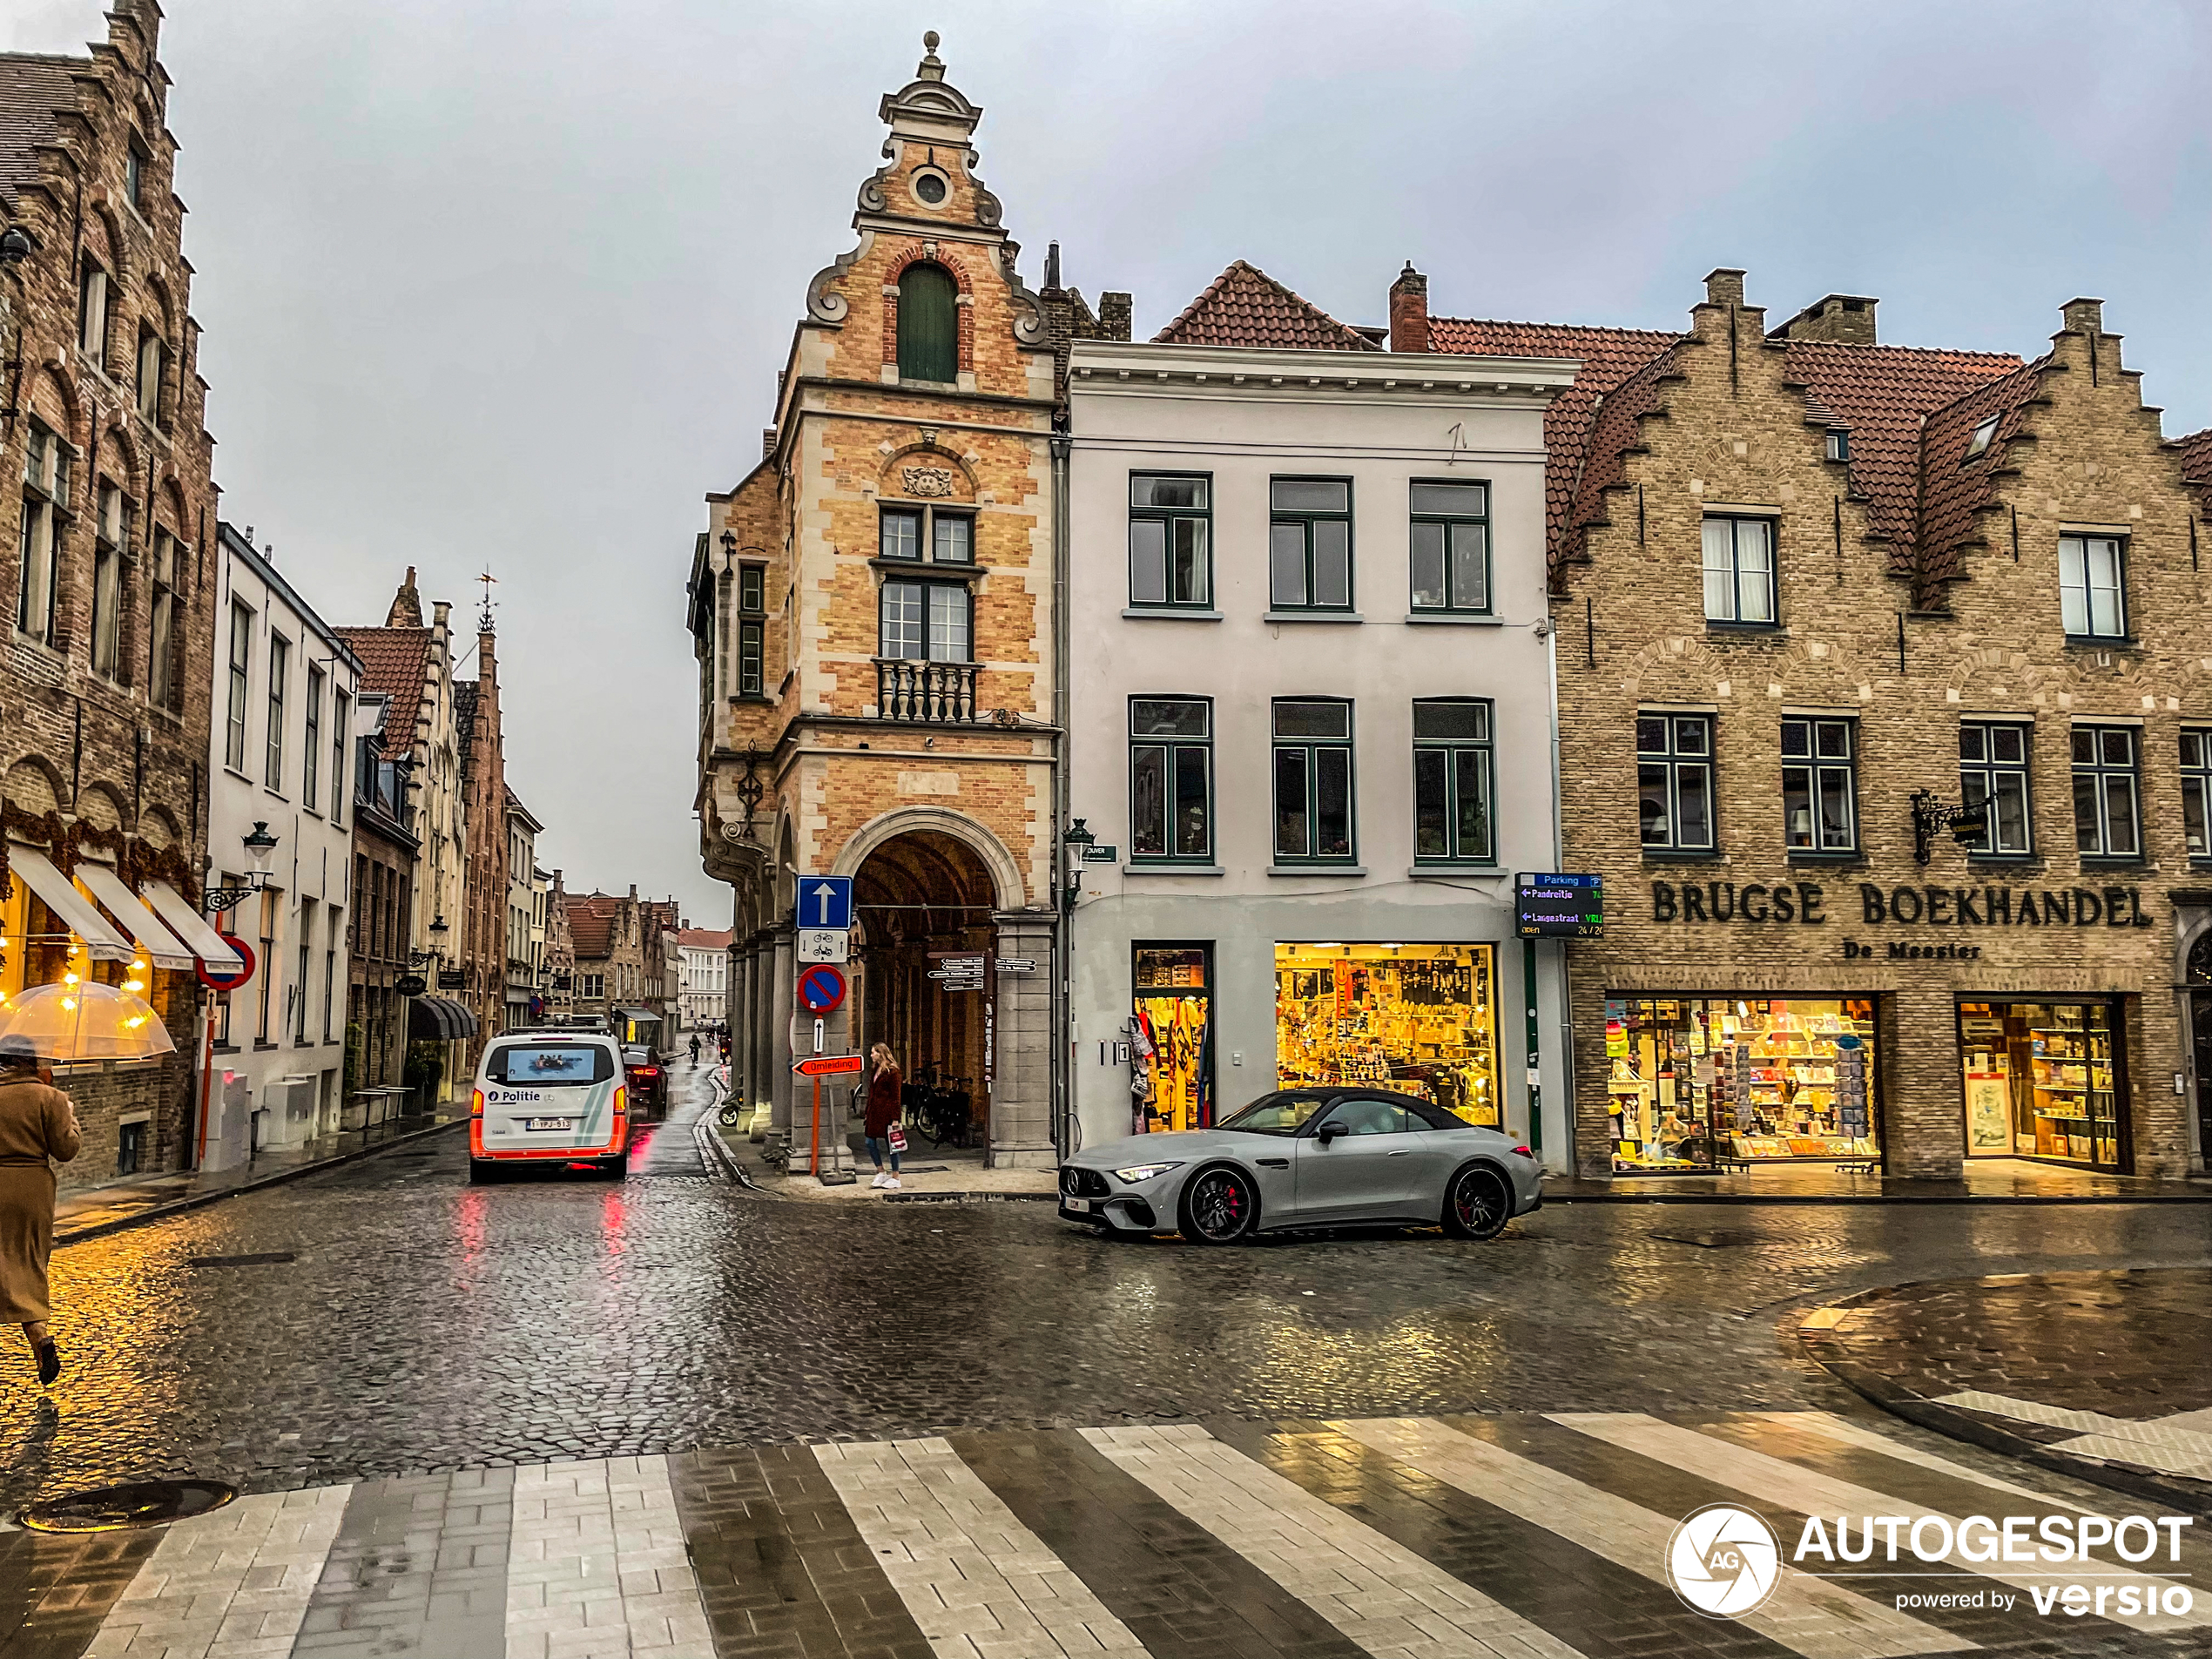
825	901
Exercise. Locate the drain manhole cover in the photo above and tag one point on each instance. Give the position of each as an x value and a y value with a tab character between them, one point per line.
265	1258
1725	1239
144	1503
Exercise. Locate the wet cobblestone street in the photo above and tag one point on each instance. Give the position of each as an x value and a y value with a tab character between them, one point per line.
416	1323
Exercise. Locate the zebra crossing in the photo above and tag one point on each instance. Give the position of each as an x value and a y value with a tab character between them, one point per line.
1403	1538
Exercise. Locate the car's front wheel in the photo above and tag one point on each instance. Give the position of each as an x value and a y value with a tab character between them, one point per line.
1478	1204
1219	1207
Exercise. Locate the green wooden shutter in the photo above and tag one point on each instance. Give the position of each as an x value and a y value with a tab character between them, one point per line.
929	325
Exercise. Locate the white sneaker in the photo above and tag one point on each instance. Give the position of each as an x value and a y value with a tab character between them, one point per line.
879	1179
891	1183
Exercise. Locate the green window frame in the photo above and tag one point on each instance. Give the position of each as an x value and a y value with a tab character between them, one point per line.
753	628
1170	780
1171	541
1309	544
1448	562
1315	789
1455	781
928	324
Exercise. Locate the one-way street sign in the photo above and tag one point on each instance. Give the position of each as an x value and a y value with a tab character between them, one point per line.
825	901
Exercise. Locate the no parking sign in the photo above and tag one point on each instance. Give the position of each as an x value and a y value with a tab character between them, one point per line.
821	989
215	979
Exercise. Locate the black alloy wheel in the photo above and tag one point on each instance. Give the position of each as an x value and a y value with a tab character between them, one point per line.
1218	1207
482	1172
1479	1203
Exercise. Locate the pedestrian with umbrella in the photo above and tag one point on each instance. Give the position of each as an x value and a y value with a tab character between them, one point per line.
38	1122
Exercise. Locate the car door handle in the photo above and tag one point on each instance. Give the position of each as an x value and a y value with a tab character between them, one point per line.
1403	1152
1272	1164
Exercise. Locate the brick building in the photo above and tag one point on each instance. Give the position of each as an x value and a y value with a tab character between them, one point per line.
1884	712
525	920
106	565
386	853
409	663
608	937
481	951
872	607
560	955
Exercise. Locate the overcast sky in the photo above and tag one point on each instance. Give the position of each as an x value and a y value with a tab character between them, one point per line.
505	283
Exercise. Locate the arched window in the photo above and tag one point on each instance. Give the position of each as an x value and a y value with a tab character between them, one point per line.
929	325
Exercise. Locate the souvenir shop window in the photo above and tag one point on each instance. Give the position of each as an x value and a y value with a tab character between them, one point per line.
1312	763
1170	768
1418	1019
1171	1037
2042	1082
1693	1080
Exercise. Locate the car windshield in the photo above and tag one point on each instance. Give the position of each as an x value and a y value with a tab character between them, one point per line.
549	1065
1276	1115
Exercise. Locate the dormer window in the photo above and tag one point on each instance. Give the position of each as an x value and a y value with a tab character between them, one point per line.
1838	444
1979	443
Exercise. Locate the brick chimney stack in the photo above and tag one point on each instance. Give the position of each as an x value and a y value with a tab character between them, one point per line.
1114	314
1409	311
1724	286
2084	316
1846	318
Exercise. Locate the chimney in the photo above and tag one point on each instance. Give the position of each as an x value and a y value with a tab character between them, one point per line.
1114	314
406	603
1409	311
1051	267
1845	318
1724	288
2084	316
767	443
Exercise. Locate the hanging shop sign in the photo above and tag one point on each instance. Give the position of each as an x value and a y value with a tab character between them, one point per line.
452	979
1559	907
1805	903
410	985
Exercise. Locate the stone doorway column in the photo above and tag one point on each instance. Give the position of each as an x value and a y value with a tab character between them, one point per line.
782	964
1021	1044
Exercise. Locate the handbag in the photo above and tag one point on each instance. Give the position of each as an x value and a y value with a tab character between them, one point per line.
897	1138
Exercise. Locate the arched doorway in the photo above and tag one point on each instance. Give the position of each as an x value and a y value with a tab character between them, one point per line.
925	903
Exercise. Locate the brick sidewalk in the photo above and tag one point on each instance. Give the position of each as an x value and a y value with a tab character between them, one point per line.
2107	1375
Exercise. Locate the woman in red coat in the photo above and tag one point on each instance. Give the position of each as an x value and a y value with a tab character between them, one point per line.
883	1112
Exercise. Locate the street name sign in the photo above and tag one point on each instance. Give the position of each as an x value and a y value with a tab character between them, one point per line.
1101	854
1559	907
827	1065
825	945
826	902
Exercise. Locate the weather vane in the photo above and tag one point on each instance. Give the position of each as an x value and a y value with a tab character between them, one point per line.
484	616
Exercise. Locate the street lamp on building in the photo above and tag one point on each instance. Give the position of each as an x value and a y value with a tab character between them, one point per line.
1078	838
261	850
437	951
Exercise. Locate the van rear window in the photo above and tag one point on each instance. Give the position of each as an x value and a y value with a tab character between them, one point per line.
550	1065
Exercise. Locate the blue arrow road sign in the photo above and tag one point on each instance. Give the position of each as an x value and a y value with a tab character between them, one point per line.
825	901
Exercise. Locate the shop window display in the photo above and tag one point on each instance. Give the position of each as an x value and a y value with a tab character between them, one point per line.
1171	1035
1695	1082
2041	1081
1421	1019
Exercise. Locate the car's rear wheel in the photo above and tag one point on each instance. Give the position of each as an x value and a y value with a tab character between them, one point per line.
1478	1204
616	1169
482	1172
1219	1207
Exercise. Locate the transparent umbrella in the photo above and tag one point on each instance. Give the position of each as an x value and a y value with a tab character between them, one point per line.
87	1021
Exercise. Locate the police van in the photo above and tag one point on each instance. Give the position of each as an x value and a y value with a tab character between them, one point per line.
550	1097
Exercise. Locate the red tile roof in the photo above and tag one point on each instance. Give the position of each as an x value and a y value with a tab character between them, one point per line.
394	661
2196	467
1610	356
1953	488
1245	306
591	922
707	938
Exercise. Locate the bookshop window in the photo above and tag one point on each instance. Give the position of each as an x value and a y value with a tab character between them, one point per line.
1420	1019
1695	1080
2041	1081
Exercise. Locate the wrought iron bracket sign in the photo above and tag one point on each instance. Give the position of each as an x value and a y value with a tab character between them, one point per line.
1967	825
216	900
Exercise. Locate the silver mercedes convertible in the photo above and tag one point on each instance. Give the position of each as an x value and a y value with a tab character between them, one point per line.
1307	1158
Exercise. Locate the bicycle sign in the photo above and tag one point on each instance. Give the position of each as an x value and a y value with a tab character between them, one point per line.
821	989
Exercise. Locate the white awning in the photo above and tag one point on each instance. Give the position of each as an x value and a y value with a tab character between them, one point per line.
158	943
191	927
77	912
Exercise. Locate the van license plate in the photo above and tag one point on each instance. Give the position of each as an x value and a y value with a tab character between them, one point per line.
549	1123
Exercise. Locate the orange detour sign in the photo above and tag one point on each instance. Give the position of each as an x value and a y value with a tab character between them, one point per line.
828	1065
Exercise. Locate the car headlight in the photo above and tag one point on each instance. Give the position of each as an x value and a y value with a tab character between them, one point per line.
1137	1172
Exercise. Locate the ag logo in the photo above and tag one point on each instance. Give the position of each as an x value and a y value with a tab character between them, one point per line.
1723	1561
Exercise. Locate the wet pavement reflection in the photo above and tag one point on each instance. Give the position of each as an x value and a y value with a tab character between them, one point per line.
426	1325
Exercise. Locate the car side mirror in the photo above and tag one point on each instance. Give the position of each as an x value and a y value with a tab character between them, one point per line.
1328	1132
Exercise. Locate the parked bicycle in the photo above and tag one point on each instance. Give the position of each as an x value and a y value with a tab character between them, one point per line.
939	1107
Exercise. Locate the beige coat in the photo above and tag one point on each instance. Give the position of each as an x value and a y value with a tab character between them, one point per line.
36	1125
